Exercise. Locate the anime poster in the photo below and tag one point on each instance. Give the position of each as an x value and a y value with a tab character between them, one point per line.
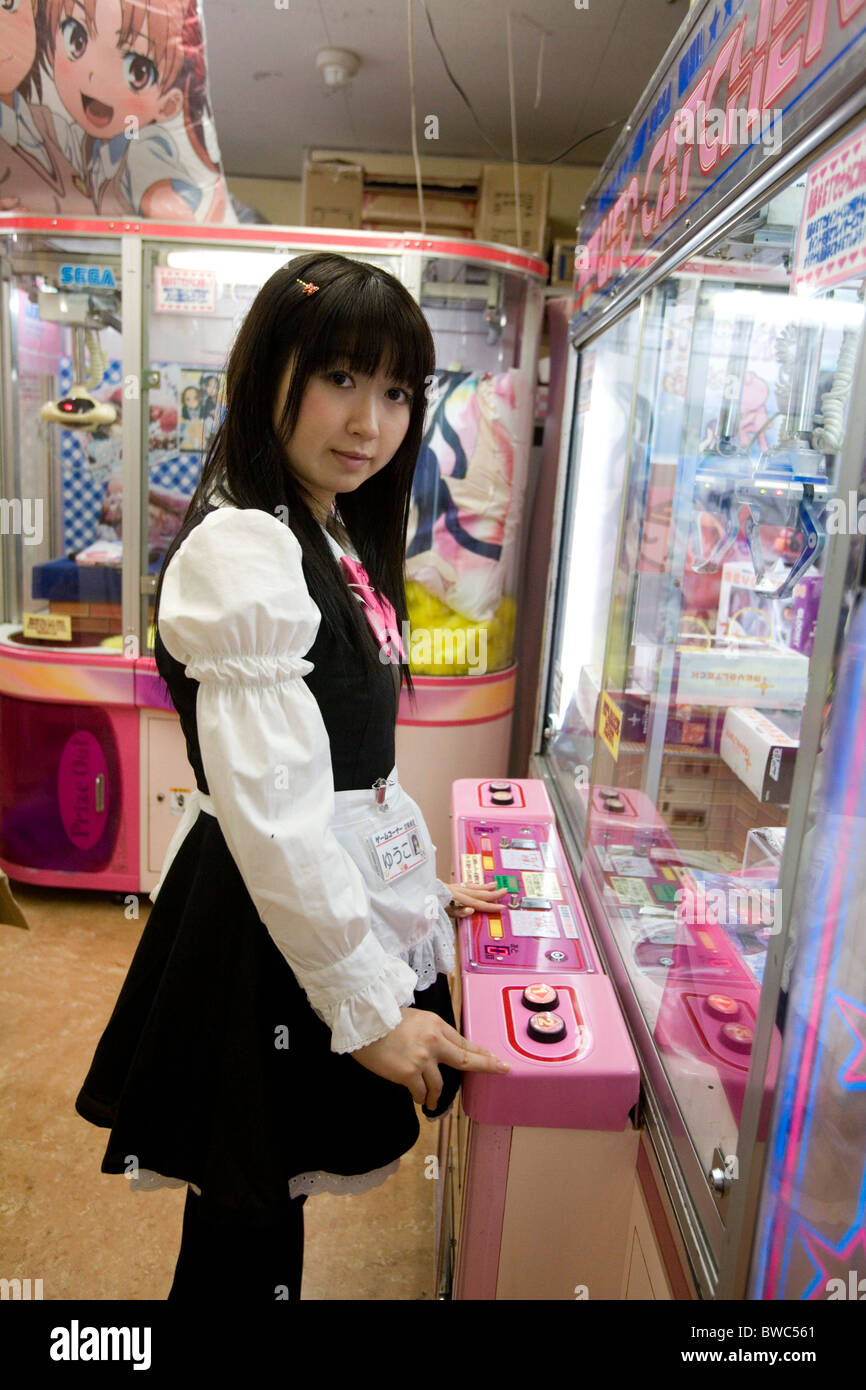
202	406
104	109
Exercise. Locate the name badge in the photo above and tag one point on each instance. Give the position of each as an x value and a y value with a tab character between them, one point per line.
397	848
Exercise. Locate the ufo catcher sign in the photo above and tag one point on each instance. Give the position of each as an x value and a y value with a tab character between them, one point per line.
104	109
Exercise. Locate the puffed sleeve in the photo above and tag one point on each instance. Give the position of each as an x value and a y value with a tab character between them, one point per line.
235	611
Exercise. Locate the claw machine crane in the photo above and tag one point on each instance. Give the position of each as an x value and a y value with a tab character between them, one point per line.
113	340
705	590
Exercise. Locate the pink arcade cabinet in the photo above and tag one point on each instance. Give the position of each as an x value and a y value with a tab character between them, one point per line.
543	1158
113	341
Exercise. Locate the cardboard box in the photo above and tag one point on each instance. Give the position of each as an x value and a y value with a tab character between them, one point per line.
761	754
496	219
332	195
399	209
562	264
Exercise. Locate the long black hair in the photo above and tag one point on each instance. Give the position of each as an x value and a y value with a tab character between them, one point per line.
361	319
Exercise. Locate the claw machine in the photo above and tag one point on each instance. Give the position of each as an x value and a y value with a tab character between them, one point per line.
113	341
705	591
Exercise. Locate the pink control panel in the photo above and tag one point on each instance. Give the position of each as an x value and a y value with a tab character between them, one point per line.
538	924
532	985
708	994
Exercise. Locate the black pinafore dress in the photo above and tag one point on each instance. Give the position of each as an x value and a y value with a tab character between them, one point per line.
186	1075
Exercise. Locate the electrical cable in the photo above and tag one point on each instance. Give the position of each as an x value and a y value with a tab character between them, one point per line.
471	109
453	80
511	102
538	74
417	162
582	140
829	437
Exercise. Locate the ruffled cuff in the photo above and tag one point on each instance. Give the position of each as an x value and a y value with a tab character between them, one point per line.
361	1015
443	893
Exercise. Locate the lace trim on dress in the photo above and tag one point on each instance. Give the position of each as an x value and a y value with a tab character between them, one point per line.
434	955
303	1185
308	1184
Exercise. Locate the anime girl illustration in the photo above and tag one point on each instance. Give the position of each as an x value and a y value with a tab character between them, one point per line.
35	173
125	117
130	75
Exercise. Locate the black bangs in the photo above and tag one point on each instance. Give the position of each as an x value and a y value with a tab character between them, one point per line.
363	324
318	313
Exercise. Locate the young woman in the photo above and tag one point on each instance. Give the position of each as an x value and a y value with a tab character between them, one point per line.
288	1001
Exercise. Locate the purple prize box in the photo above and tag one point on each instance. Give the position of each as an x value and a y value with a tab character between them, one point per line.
807	600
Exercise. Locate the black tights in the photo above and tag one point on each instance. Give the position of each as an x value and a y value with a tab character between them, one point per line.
223	1256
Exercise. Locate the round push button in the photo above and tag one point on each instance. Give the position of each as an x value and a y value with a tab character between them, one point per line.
737	1036
721	1006
547	1028
540	996
556	956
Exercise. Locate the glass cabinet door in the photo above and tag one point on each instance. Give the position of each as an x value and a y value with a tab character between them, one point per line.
602	433
62	408
195	300
463	540
701	512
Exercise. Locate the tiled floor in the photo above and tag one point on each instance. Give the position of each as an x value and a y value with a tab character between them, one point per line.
87	1235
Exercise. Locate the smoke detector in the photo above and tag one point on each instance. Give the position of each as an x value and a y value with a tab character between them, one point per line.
337	66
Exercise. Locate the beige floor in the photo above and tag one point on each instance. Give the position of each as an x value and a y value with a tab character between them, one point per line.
85	1234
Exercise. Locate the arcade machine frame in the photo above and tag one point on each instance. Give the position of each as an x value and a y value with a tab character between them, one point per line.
650	217
93	760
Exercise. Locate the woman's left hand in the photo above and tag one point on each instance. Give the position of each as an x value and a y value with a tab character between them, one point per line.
472	897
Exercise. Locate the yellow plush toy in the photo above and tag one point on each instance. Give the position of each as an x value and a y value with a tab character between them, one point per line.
444	643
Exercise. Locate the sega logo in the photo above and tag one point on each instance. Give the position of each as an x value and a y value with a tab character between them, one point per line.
93	275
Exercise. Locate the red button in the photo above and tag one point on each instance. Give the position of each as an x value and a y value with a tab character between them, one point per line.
540	996
737	1036
720	1006
546	1027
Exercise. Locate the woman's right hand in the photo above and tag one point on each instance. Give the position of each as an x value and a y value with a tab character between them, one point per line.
410	1055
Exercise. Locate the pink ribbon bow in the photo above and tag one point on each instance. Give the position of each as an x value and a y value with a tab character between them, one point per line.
379	612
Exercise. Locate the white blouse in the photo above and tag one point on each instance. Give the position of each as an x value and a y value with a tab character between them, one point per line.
236	612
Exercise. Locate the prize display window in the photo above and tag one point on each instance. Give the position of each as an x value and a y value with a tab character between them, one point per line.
704	498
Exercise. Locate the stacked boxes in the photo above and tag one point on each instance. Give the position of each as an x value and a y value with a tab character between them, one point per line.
703	801
91	622
706	805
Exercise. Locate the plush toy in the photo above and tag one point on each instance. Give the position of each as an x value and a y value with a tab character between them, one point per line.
440	637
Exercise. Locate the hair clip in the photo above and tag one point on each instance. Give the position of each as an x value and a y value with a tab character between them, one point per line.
309	288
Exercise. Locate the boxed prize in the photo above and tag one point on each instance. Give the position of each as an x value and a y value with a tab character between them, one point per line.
744	613
760	753
807	601
692	727
723	671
